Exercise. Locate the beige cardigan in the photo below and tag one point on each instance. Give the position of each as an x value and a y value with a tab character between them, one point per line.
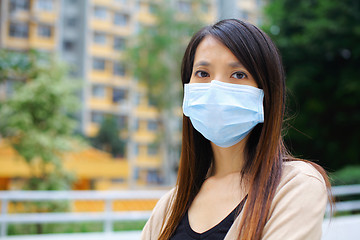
296	212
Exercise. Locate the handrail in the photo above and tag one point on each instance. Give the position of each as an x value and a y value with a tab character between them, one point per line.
346	190
108	216
344	206
82	195
73	217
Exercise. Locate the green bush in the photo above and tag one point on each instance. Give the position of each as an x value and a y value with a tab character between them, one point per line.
346	176
28	229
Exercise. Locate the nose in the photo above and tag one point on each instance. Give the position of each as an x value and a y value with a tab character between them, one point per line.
222	78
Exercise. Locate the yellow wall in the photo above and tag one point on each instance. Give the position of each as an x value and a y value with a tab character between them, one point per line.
86	164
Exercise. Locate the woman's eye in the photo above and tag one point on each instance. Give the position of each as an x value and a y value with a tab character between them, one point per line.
239	75
201	74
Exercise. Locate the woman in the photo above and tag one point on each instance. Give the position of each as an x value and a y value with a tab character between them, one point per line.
236	179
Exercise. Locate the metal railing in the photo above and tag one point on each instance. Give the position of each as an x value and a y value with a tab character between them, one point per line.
348	190
108	216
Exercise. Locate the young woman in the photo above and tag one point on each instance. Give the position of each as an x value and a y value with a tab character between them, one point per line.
236	179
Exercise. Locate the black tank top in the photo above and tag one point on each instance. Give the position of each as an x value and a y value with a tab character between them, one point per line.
219	231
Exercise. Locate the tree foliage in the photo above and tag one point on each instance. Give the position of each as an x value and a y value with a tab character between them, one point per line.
34	119
108	138
319	42
17	66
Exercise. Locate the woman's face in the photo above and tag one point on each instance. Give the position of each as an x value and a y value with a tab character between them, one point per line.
214	61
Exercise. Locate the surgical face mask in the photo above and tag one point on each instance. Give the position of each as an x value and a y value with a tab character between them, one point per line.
224	113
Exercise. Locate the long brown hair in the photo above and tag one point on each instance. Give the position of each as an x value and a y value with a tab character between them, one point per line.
264	150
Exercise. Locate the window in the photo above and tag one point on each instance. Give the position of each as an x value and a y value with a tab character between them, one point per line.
184	7
97	117
152	177
19	5
46	5
119	43
138	99
136	149
98	91
98	64
121	19
100	12
152	150
118	69
99	38
68	45
71	22
117	180
152	125
71	2
119	95
137	124
44	31
19	30
122	122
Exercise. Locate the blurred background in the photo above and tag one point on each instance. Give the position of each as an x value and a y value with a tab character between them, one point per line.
90	92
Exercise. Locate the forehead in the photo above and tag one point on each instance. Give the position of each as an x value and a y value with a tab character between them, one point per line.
212	49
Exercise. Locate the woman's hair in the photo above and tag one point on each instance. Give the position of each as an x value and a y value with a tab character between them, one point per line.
264	150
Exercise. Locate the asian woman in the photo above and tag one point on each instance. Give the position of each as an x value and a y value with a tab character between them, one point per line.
236	179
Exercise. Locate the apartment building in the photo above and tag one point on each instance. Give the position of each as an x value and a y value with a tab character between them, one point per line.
28	25
91	36
112	90
246	10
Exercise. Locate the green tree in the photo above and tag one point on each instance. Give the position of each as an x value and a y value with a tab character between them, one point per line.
17	66
108	138
154	58
319	42
34	119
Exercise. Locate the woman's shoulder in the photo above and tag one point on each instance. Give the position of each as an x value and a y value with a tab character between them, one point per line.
165	201
301	179
161	208
300	171
153	226
301	196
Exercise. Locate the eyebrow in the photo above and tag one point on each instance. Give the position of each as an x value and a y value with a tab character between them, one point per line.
235	64
202	63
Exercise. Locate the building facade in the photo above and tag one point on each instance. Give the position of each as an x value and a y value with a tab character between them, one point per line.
247	10
91	36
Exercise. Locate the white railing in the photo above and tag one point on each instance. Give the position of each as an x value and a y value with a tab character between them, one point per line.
349	190
108	216
343	227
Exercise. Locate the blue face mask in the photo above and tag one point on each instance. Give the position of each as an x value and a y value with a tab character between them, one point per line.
224	113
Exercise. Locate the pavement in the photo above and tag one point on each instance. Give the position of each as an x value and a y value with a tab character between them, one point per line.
342	228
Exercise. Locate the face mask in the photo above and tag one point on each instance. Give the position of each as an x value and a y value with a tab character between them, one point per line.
224	113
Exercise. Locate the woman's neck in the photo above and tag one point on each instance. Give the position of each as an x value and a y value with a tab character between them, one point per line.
228	160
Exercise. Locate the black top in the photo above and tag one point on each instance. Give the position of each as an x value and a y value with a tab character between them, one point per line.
219	231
